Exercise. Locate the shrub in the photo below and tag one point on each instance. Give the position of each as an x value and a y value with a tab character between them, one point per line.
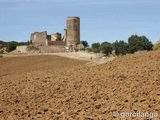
106	48
120	47
137	43
11	46
85	44
96	47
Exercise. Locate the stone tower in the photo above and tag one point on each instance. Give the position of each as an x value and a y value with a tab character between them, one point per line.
73	32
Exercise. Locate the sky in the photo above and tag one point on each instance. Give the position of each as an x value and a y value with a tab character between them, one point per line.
101	20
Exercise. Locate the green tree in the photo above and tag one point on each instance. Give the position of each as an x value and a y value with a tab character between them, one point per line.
137	43
23	43
96	47
3	43
106	48
85	43
120	47
11	46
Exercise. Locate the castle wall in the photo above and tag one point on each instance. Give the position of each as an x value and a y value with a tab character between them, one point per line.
22	49
56	43
39	38
49	37
70	41
65	36
51	49
56	37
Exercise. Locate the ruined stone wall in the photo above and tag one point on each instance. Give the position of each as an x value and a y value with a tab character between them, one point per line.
70	41
73	31
51	49
56	43
65	36
49	37
39	38
56	37
22	49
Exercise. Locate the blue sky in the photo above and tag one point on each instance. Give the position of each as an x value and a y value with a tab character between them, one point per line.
101	20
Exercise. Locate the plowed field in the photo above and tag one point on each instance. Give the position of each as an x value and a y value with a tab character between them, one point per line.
58	88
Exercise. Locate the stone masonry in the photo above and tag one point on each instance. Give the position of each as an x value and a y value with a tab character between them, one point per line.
69	42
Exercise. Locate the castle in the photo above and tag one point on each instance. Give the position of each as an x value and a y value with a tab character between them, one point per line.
55	42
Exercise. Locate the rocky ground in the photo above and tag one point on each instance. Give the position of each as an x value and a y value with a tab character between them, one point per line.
58	88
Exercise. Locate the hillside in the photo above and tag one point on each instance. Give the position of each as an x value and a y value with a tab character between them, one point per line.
57	88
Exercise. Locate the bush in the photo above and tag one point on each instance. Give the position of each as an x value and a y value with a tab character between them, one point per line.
120	47
96	47
85	44
138	43
106	48
3	43
11	46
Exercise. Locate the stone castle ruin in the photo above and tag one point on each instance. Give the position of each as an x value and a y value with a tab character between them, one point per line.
55	42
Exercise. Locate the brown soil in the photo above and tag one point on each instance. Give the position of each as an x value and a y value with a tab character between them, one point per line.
57	88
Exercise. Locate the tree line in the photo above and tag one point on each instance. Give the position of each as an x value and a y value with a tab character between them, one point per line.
135	43
10	46
119	47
